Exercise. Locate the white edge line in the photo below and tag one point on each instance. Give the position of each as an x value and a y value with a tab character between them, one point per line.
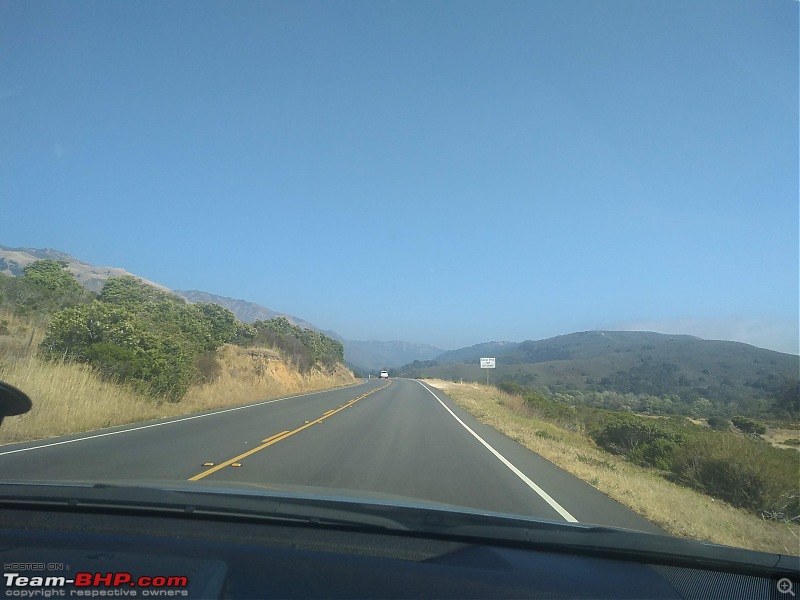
545	496
218	412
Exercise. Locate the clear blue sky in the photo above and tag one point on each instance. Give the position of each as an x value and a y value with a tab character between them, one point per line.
437	172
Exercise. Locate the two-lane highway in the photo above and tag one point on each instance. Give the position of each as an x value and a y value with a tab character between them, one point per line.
396	438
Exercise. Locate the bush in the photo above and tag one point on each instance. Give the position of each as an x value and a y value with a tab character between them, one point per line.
513	388
122	346
741	472
305	347
656	454
559	413
44	287
114	362
245	334
748	426
719	423
643	441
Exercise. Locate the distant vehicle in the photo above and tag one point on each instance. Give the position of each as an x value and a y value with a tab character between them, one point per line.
384	374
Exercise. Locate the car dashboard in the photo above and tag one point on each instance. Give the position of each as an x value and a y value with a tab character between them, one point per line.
118	552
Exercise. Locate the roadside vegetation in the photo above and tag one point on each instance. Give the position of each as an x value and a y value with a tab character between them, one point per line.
133	352
725	486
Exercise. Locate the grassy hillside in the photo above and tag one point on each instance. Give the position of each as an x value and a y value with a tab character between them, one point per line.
70	397
135	352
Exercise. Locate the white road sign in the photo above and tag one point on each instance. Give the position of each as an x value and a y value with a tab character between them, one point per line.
487	363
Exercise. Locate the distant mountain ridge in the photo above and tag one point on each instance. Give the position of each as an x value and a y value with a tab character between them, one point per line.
374	355
637	362
486	349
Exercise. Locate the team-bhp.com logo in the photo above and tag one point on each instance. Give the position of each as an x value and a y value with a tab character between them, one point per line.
85	584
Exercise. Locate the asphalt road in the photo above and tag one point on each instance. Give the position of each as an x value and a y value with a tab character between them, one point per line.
400	438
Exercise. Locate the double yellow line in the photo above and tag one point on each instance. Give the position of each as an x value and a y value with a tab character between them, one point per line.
283	435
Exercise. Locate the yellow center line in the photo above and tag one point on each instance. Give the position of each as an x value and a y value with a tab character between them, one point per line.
277	435
282	436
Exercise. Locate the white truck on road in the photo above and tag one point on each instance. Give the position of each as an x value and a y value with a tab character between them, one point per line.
384	374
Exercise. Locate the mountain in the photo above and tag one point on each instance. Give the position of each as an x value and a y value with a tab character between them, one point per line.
14	260
248	312
637	362
373	355
473	353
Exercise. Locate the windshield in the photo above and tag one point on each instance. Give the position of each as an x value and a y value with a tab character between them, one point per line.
536	258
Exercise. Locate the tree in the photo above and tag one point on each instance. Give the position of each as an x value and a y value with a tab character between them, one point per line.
44	287
306	347
787	399
203	326
128	291
121	345
52	275
700	407
718	423
748	426
220	321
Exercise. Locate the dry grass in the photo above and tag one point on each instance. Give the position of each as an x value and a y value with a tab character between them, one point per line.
679	511
70	398
778	437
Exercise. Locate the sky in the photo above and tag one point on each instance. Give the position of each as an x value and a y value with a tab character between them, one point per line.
439	172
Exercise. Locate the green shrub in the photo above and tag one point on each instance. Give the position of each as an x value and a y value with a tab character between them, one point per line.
203	326
44	287
132	292
74	330
52	275
643	441
513	388
114	362
122	346
748	426
562	414
719	423
656	454
305	347
741	472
